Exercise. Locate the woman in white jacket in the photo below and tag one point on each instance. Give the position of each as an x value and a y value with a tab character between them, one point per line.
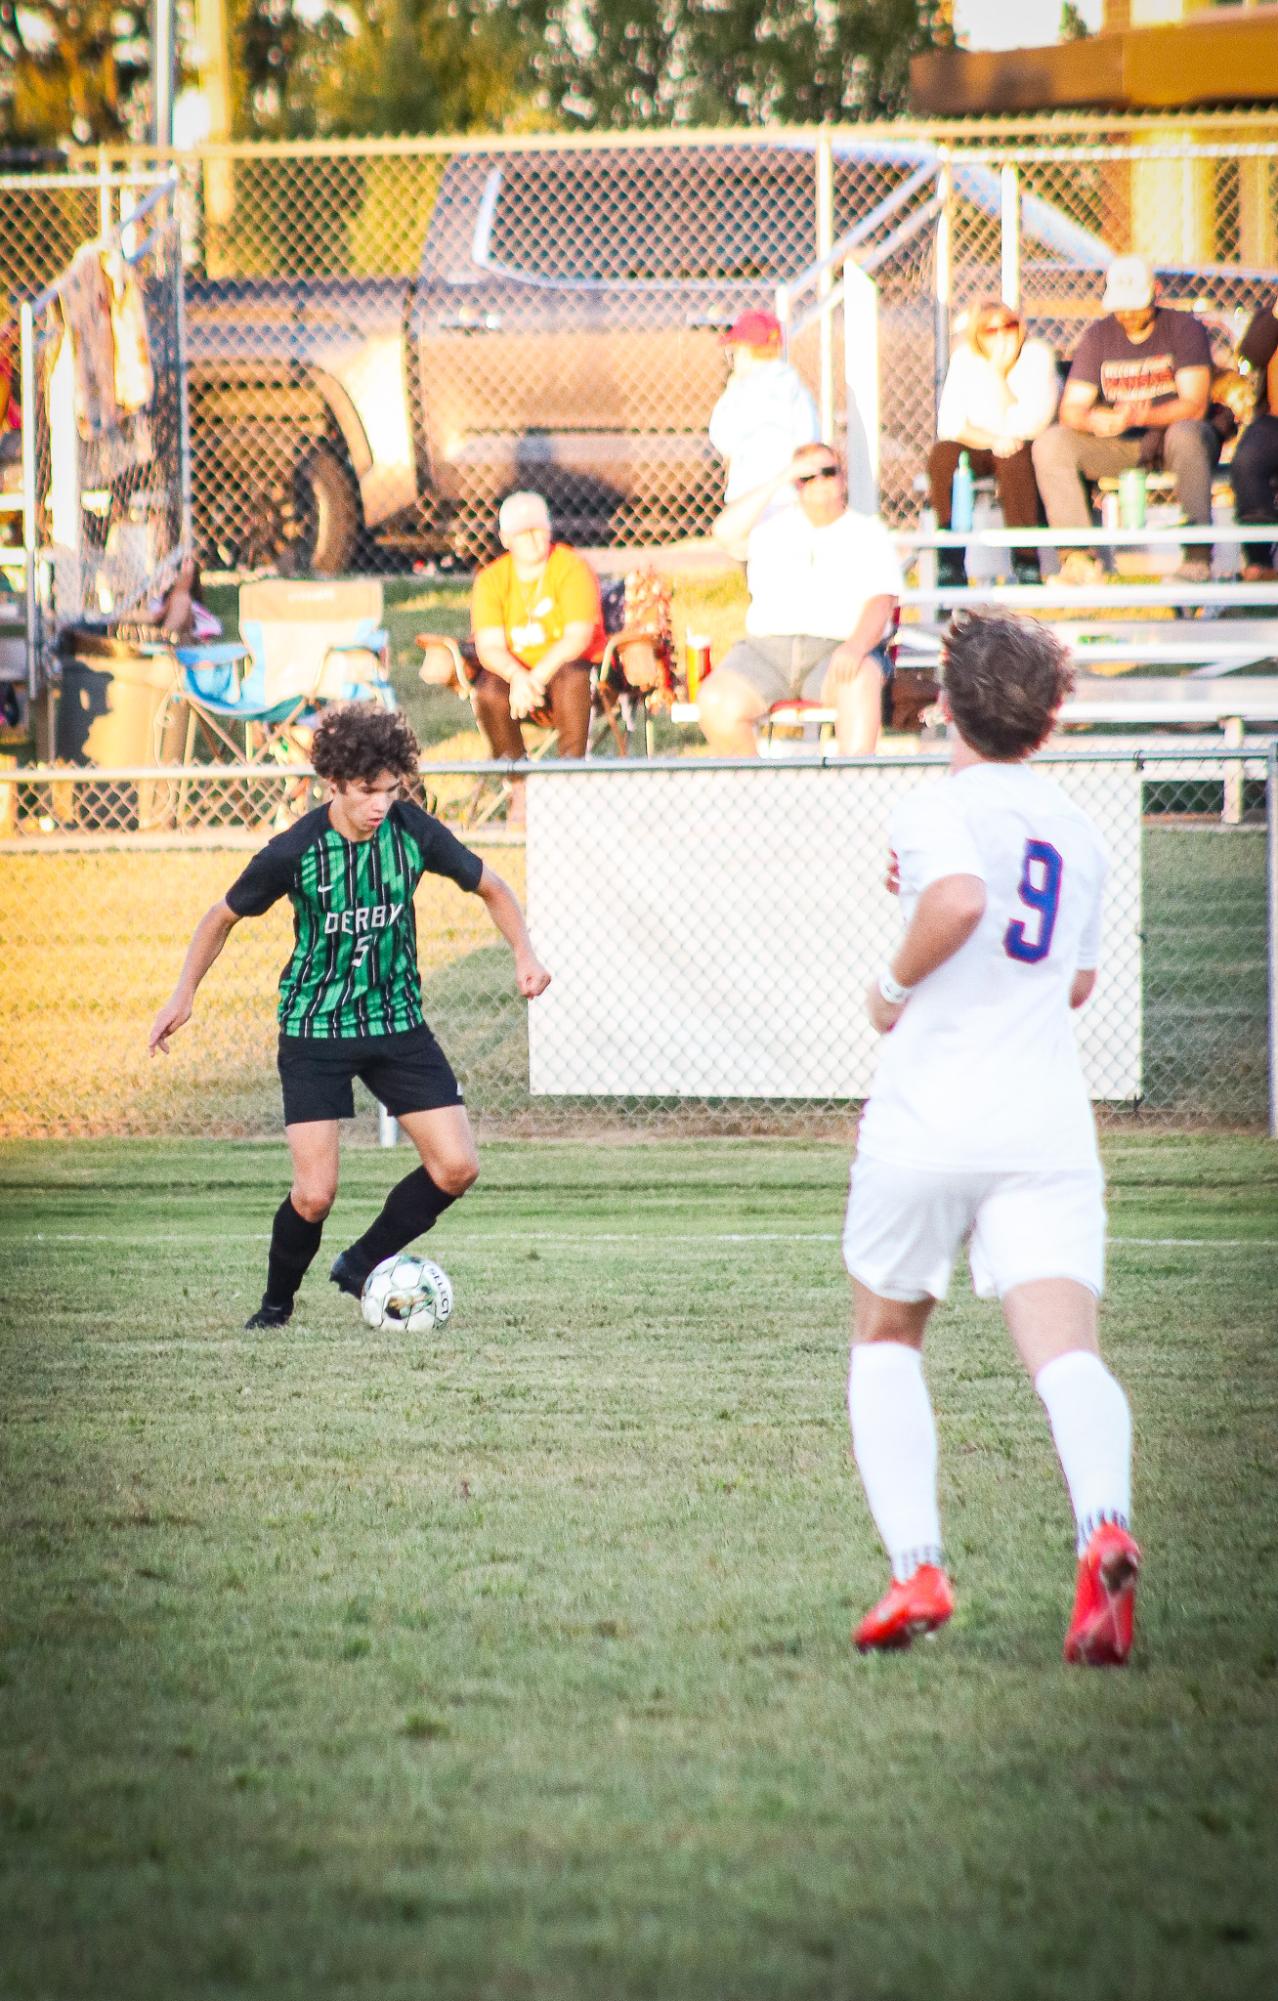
1000	391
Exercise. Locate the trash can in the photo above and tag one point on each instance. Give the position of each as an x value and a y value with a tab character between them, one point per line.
117	706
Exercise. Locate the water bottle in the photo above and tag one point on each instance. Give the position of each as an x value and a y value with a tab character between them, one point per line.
1131	498
962	496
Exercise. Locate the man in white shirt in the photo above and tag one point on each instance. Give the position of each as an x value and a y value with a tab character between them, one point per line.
824	583
979	1127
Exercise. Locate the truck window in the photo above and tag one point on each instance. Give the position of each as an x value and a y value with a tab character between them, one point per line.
693	216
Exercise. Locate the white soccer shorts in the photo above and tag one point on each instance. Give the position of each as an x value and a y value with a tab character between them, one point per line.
905	1226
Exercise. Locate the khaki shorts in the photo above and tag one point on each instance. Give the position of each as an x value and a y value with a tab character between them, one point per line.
788	669
905	1226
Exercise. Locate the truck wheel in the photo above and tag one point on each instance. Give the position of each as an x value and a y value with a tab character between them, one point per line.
314	516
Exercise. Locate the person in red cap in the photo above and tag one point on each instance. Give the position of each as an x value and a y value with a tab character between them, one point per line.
766	412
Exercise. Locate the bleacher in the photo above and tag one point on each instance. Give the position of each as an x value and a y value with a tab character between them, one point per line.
1164	644
1144	618
1172	652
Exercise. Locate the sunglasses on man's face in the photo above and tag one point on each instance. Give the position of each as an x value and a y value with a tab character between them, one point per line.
818	472
1001	326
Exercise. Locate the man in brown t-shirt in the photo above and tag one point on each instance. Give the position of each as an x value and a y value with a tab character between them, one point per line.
1137	395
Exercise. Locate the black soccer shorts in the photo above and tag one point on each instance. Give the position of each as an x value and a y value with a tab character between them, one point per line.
408	1072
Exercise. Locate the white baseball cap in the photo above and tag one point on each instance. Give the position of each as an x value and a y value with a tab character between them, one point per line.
1129	285
519	511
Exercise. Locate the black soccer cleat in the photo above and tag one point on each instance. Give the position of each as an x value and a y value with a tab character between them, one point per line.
347	1273
269	1314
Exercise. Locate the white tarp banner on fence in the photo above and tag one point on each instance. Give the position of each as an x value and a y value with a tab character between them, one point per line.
711	932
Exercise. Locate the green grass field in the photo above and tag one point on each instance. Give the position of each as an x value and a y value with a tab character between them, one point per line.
513	1662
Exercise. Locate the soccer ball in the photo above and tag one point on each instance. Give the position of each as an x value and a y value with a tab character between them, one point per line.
406	1295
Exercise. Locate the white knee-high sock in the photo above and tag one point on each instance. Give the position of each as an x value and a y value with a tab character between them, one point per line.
1092	1425
894	1444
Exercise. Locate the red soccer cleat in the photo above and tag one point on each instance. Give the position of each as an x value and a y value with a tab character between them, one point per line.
1100	1632
924	1602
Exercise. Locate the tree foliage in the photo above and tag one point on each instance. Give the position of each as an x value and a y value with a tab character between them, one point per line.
426	66
72	69
391	66
279	58
79	68
732	62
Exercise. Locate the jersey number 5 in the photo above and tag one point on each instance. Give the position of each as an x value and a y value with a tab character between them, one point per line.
1040	888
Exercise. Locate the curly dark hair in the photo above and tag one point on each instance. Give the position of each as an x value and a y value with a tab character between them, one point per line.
361	740
1004	679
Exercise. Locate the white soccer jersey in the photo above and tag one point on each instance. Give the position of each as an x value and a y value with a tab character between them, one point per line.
982	1069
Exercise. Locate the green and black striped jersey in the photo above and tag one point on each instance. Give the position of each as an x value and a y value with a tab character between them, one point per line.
353	969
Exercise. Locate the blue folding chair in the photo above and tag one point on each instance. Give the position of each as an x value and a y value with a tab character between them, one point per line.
303	646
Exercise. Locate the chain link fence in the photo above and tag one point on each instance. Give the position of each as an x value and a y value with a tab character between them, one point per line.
386	336
710	926
103	395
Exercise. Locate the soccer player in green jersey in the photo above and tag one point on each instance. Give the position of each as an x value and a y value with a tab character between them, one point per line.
351	994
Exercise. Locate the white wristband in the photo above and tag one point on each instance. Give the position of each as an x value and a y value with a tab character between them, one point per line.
892	990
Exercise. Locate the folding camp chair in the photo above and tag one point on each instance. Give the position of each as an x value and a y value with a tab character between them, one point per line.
636	673
631	672
636	670
304	645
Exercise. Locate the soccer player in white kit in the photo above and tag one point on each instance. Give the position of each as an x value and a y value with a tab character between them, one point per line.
979	1127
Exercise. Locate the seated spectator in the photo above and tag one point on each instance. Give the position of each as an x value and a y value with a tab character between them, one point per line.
538	630
178	612
1254	472
824	583
1137	394
765	413
1001	392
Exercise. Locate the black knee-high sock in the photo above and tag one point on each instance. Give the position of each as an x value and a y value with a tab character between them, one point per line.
411	1207
294	1243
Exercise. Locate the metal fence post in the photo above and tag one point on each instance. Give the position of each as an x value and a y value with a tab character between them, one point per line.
104	193
1271	924
943	282
1010	235
163	70
187	529
1235	773
861	353
824	245
26	321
